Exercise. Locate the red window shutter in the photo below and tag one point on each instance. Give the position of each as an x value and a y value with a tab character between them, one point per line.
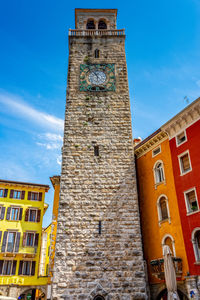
29	195
3	247
38	215
22	195
20	213
33	268
2	213
5	193
8	213
11	193
26	214
14	267
1	267
24	239
36	239
20	267
17	241
40	196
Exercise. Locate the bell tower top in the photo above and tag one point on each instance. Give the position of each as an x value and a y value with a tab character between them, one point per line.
95	18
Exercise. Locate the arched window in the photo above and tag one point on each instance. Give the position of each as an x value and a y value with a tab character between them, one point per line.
90	24
169	241
96	53
196	243
102	25
159	172
163	208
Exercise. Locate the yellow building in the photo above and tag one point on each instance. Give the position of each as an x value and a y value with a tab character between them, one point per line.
21	213
55	180
160	218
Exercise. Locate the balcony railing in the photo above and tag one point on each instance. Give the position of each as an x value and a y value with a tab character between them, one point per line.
94	32
22	250
157	267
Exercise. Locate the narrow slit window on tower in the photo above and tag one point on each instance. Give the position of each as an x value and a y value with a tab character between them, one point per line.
100	227
96	150
96	53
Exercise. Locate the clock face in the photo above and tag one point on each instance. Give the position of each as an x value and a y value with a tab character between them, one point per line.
97	77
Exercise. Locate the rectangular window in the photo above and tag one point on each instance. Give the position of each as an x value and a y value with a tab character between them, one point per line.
17	194
8	267
3	193
14	216
11	241
27	268
96	150
30	238
191	201
32	215
156	151
181	138
184	161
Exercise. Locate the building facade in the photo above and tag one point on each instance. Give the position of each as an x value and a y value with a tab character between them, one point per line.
21	213
98	245
168	166
159	212
184	138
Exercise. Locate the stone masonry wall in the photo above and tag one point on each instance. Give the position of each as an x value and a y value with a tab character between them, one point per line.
100	188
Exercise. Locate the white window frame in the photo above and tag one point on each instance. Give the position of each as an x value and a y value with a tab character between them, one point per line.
180	164
31	262
177	144
29	214
14	207
160	220
6	248
189	212
154	172
32	232
153	155
18	191
2	189
37	196
173	243
10	268
196	251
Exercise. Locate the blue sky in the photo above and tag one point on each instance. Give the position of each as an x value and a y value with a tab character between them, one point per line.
163	58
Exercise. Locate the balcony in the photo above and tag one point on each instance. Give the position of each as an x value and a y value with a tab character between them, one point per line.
94	32
25	251
157	267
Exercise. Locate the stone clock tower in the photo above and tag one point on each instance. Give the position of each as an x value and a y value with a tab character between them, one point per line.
98	248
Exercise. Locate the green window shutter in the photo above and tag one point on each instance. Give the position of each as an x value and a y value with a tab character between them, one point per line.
8	213
1	267
2	213
38	215
22	195
40	196
20	213
17	241
5	193
20	267
3	247
11	193
33	268
29	195
36	239
14	267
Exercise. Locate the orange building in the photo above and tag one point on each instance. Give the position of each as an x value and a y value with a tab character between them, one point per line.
159	211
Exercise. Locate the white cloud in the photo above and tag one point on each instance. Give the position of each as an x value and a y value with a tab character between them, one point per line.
18	107
198	82
59	160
